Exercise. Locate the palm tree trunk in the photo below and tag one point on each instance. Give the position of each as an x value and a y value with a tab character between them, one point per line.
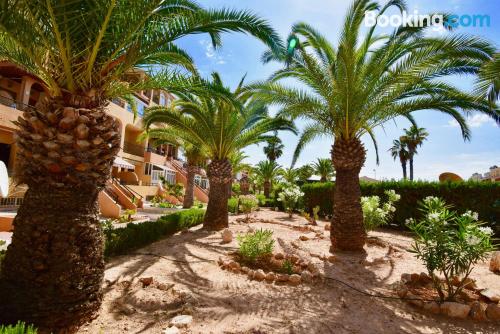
267	188
347	230
411	168
53	270
52	273
403	165
220	177
189	195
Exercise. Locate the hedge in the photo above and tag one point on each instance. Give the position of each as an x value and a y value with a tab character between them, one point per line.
133	236
481	197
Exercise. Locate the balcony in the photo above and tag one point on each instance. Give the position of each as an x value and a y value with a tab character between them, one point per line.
134	149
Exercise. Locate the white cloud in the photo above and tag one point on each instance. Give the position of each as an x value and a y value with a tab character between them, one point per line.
475	121
212	54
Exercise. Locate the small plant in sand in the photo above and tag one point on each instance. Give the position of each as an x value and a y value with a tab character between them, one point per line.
258	244
248	203
19	328
376	214
287	267
290	196
449	244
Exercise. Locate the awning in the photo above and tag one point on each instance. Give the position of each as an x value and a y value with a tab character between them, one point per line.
119	162
165	168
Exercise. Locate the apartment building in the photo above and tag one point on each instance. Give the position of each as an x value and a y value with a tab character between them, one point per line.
492	175
139	166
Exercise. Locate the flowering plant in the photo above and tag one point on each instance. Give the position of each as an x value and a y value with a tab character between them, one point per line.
450	244
375	215
290	196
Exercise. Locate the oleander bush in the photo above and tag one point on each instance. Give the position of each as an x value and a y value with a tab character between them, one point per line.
232	205
133	236
449	244
376	213
19	328
481	197
247	204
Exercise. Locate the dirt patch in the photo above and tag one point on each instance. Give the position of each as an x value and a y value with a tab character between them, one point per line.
224	302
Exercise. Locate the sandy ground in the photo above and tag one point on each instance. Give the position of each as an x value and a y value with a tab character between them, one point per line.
188	280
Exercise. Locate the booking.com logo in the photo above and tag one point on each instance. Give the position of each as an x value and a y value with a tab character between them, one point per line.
437	21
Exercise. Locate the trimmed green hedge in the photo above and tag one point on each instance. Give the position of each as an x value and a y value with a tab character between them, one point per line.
133	236
481	197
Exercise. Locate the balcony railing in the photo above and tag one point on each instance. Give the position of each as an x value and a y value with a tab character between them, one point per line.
133	149
15	104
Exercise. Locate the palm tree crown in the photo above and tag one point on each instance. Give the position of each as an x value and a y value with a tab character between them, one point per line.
412	139
324	168
399	150
274	148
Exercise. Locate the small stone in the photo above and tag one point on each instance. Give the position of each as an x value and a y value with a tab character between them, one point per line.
227	236
126	309
455	310
402	291
294	244
270	277
164	286
493	295
181	320
327	227
294	279
251	273
259	275
171	330
235	266
303	238
405	278
493	312
432	307
343	302
146	281
414	300
470	284
306	276
425	278
414	278
279	256
495	262
294	258
478	311
332	258
245	269
282	277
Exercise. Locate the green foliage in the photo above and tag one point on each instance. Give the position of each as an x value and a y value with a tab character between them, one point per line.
376	214
19	328
287	267
316	212
232	205
449	244
481	197
176	190
133	236
236	188
253	246
261	199
248	204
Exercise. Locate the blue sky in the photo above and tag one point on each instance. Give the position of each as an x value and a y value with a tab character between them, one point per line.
445	149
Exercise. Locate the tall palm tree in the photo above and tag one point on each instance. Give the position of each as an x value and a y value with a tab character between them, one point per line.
412	139
224	127
267	170
488	81
289	175
324	168
274	148
305	172
194	154
400	150
83	52
362	83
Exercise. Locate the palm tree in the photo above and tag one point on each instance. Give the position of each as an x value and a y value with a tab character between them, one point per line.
399	150
488	82
413	138
324	168
362	83
305	172
193	152
274	148
84	53
238	166
224	127
289	175
267	170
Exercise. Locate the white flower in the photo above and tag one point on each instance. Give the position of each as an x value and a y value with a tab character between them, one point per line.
429	199
486	230
433	216
472	215
472	240
409	221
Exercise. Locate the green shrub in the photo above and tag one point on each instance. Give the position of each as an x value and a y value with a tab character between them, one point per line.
376	214
261	199
255	245
19	328
133	236
481	197
248	203
232	205
236	188
289	197
449	244
287	267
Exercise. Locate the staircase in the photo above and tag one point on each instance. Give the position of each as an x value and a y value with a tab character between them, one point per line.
117	197
199	193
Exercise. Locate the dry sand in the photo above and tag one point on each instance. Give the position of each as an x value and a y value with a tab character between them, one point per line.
188	280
